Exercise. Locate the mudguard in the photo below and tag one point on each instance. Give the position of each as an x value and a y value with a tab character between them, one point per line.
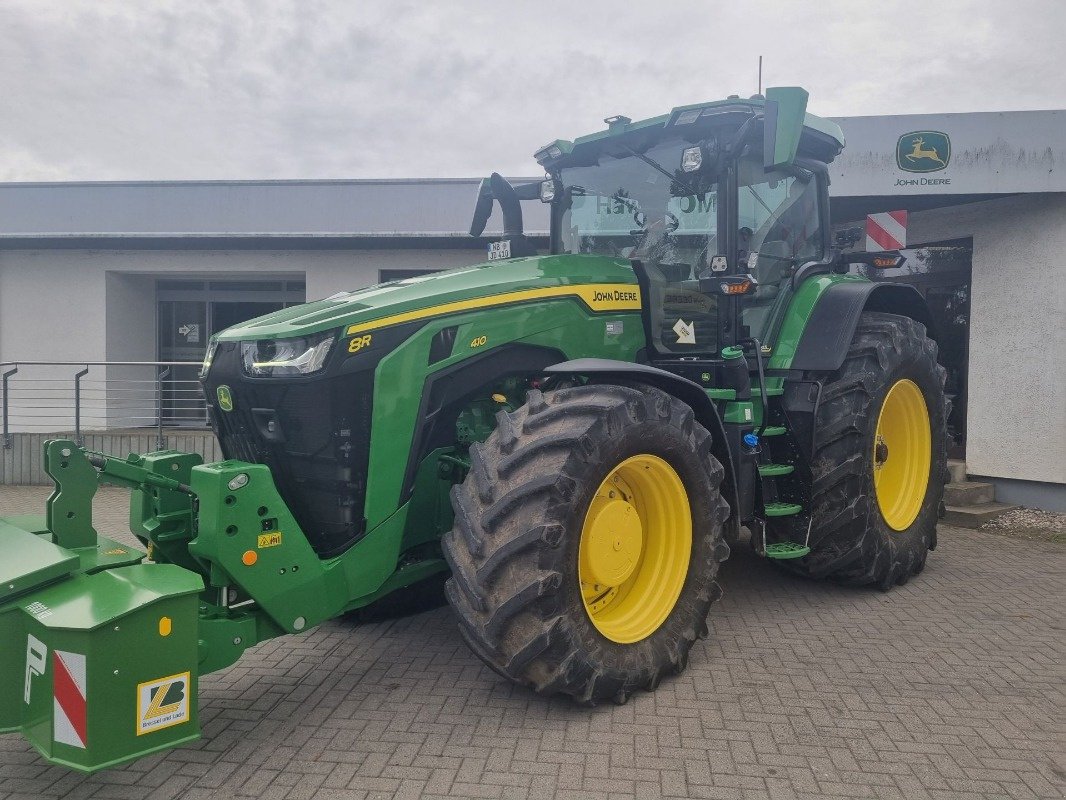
830	329
683	389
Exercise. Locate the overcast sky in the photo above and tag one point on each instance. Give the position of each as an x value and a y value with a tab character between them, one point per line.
100	90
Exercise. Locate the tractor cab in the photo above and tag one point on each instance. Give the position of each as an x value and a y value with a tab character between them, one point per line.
717	206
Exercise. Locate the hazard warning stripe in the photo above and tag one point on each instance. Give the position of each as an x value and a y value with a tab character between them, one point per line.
70	723
886	231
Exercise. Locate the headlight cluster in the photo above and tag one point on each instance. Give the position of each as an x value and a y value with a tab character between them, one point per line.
301	355
212	346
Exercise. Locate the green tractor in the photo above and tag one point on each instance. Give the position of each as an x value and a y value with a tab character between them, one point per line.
575	440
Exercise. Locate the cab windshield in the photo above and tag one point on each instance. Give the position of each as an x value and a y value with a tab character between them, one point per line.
625	206
644	207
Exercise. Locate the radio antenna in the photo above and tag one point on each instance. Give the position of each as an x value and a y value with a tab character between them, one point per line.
760	74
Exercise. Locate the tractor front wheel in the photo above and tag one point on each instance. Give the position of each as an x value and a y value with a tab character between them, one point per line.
587	539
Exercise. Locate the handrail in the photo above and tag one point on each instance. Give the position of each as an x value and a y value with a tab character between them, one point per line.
155	401
100	363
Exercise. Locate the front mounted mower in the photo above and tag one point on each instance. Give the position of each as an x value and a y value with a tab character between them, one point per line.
575	439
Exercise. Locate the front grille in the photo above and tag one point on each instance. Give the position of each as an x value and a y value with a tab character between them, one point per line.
315	438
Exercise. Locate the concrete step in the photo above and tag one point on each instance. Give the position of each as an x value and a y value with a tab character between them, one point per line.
957	469
969	493
975	516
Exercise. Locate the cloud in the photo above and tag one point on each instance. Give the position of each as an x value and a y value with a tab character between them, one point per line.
99	90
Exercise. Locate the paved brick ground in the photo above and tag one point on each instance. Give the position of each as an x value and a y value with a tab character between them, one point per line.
950	686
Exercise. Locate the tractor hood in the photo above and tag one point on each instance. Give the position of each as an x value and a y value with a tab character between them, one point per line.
441	292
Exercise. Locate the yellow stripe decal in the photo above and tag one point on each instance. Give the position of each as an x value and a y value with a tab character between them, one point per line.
604	297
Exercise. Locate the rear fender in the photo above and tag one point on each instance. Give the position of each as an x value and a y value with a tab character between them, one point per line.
832	324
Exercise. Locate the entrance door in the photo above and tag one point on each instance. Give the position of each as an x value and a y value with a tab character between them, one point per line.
941	273
190	312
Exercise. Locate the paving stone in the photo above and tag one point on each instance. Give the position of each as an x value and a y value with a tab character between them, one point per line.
948	687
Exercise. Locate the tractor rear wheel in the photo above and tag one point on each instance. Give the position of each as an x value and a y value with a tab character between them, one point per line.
880	459
587	539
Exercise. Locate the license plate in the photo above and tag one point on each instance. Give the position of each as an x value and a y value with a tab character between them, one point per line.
499	250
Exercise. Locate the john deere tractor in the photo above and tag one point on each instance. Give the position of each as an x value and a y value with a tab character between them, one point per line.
574	439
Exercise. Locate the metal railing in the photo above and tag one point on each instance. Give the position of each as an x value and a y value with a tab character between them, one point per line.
60	396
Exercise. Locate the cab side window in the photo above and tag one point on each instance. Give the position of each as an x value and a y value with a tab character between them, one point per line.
778	215
780	225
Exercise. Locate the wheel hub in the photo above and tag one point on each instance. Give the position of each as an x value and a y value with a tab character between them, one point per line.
635	546
615	541
880	452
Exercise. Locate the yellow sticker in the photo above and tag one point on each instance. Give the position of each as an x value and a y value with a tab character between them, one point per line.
162	703
115	551
225	398
359	342
598	297
610	297
479	341
270	539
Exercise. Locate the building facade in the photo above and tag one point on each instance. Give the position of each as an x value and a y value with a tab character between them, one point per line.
145	272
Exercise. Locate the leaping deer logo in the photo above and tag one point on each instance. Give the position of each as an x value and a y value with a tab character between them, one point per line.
918	152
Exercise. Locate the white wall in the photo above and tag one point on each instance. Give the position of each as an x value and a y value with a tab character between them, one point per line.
1016	419
330	273
99	305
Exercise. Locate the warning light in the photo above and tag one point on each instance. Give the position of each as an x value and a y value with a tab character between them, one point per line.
249	557
736	287
166	625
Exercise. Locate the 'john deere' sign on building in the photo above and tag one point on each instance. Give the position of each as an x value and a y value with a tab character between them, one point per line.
966	154
923	151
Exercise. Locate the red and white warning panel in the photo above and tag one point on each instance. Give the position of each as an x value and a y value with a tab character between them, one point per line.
69	722
886	231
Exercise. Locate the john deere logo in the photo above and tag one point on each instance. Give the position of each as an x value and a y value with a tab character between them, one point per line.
923	151
225	398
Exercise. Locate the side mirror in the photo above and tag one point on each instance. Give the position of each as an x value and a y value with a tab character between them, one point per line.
783	114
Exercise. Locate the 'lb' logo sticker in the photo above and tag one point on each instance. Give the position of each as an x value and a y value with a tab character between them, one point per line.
162	703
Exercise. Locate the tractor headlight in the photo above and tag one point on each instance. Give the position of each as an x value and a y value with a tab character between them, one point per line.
209	356
301	355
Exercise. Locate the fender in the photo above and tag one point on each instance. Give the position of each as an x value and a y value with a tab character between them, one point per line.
683	389
445	390
832	325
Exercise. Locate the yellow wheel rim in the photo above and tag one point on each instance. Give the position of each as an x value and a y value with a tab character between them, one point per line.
902	454
635	547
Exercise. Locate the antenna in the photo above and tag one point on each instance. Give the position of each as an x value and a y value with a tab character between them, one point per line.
760	74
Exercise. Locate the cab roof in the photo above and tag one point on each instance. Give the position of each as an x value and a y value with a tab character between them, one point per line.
821	135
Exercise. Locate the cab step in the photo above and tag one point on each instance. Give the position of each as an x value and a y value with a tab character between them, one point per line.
774	430
786	550
782	509
775	470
